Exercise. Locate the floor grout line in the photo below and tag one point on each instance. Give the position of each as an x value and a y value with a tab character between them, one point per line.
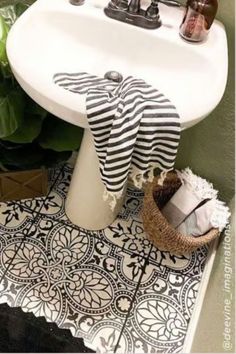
75	227
133	299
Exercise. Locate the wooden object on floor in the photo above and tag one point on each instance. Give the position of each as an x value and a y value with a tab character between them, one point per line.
23	184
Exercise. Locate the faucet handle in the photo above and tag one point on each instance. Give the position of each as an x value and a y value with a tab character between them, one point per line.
152	11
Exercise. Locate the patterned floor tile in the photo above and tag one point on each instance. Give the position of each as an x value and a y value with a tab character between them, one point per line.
15	221
13	216
69	277
127	230
161	315
110	287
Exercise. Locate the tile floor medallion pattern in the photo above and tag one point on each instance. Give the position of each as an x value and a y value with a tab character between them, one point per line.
110	287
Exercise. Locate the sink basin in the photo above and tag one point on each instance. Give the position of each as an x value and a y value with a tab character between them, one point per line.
55	36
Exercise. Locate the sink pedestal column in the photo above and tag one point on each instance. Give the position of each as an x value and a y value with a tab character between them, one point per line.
85	206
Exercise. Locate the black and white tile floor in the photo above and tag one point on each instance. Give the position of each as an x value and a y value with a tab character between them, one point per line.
110	287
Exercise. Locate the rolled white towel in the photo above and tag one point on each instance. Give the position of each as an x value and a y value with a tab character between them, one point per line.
183	202
194	191
212	214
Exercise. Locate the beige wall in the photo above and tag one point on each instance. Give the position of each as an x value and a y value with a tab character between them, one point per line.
208	148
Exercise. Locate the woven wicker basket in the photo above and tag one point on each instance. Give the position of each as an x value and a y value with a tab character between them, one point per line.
158	230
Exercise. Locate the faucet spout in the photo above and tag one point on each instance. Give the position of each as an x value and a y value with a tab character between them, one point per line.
119	4
77	2
134	6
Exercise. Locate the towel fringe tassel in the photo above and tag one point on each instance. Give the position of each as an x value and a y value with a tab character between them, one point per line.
138	180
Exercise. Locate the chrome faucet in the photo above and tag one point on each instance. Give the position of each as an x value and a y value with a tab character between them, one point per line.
132	13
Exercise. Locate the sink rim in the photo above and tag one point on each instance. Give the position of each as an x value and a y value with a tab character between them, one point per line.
68	110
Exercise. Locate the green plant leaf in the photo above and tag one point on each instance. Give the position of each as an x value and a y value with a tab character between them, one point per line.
20	7
59	136
11	112
31	126
21	119
8	3
8	13
12	9
4	29
27	131
5	71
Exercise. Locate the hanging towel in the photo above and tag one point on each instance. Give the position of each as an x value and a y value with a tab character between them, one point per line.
135	128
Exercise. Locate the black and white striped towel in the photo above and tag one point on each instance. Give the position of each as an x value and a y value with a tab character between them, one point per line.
135	128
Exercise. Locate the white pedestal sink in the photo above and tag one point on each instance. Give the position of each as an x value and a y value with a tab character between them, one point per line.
55	36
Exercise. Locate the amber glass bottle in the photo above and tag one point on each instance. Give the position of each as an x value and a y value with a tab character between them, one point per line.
198	19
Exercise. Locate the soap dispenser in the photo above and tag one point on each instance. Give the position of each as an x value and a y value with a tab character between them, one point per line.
198	18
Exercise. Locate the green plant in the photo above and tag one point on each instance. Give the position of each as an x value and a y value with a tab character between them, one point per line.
30	137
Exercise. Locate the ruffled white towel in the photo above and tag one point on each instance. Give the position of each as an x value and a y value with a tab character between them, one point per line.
212	214
199	185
